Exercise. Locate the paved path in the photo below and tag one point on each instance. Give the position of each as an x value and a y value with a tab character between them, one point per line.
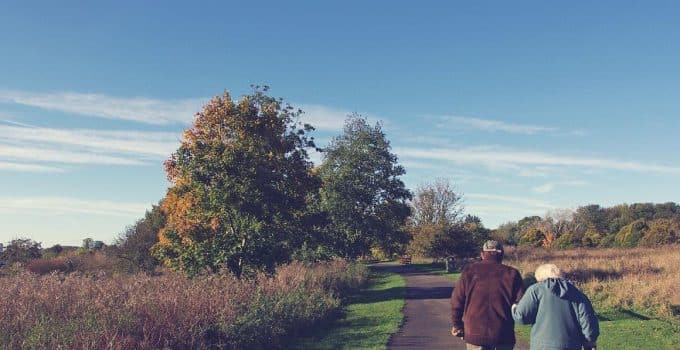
427	323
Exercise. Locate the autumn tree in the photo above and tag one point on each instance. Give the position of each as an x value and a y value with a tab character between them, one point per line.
362	194
240	184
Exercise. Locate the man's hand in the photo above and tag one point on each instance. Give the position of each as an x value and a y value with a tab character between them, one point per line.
456	332
589	345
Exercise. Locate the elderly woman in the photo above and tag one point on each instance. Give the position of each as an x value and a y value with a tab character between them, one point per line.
561	315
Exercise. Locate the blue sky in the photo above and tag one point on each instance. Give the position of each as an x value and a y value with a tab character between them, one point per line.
526	107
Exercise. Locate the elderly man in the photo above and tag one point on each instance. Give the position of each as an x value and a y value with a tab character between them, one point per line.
561	315
481	300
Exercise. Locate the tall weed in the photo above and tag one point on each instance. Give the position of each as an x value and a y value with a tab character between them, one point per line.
169	311
645	279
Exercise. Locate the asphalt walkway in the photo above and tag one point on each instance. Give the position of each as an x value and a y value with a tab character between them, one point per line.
427	323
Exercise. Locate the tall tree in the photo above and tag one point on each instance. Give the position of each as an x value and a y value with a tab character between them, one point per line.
437	204
240	181
362	193
436	224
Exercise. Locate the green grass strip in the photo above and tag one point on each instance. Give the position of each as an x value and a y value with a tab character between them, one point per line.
371	316
630	334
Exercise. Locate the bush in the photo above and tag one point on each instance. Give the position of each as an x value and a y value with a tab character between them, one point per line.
591	238
565	241
630	235
44	266
170	311
21	250
660	232
533	237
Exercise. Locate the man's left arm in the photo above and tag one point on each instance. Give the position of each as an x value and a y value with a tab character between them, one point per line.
458	306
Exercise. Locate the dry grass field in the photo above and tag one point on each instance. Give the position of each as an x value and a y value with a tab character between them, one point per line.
169	311
641	279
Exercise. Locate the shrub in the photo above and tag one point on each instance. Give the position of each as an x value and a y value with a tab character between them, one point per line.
660	232
44	266
566	240
630	235
591	238
533	237
21	250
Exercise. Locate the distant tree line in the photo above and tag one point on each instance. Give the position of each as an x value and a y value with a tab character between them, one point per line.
624	225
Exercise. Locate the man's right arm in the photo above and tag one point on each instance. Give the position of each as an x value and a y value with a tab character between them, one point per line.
517	287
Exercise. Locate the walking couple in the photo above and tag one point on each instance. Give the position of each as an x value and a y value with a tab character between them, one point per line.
490	296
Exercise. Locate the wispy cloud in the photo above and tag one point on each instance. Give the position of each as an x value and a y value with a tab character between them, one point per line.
63	156
61	205
490	125
151	143
550	186
153	111
138	109
326	118
545	188
323	117
28	168
500	157
27	145
523	201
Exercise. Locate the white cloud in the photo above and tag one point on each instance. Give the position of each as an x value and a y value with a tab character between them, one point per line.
30	144
325	118
30	168
63	156
138	109
499	157
160	144
458	122
545	188
62	205
550	186
524	201
414	164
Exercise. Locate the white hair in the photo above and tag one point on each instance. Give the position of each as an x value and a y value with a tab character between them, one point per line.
546	271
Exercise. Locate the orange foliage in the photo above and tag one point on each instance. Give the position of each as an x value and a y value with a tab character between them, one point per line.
180	214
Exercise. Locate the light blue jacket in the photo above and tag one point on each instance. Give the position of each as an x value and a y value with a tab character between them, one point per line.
562	316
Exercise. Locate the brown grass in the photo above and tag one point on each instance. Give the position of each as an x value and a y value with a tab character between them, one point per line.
645	279
168	311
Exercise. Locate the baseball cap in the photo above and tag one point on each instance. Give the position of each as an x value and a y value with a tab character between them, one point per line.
492	246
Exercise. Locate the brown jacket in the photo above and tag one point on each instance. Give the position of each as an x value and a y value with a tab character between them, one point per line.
481	301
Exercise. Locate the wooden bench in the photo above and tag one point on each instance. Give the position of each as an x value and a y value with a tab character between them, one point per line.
405	259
